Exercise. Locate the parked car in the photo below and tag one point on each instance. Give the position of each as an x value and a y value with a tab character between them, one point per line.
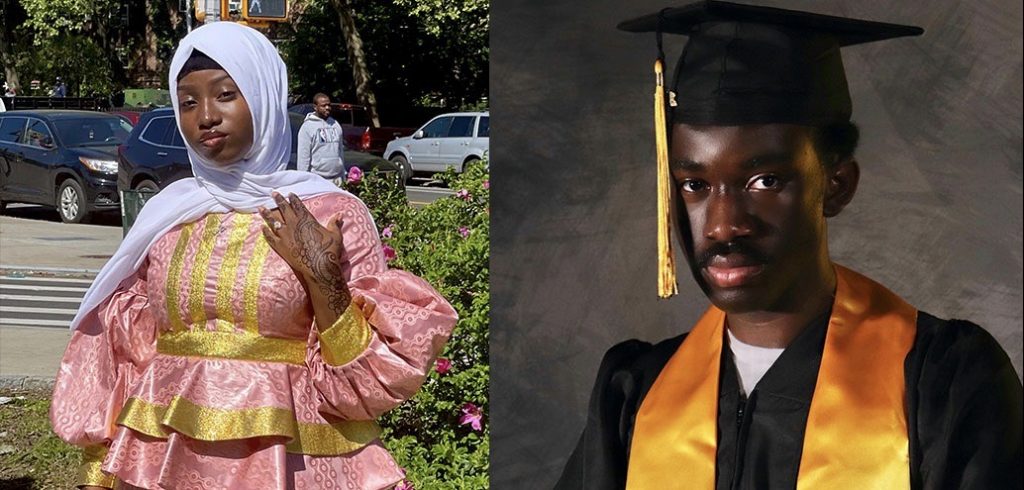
446	141
130	116
154	154
61	158
358	132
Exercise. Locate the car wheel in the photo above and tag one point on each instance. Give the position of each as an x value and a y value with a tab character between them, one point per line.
147	186
71	202
469	163
398	178
404	169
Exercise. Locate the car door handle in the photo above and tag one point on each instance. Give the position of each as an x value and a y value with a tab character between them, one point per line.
161	153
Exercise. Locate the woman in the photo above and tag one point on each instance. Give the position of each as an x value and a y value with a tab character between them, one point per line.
247	331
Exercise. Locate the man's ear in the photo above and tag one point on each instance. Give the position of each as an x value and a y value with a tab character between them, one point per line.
840	185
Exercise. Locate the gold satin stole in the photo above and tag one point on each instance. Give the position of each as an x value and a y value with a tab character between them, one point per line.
856	435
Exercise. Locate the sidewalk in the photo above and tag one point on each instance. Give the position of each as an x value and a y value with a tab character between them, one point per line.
42	245
30	356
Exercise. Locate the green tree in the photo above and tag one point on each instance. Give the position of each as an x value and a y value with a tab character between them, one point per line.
432	56
59	47
72	57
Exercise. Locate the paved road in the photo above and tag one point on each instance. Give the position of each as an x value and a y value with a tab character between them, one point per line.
35	311
39	300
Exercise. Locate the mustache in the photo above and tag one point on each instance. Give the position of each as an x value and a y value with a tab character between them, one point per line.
726	248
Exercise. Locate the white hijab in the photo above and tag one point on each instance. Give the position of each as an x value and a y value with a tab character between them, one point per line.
244	186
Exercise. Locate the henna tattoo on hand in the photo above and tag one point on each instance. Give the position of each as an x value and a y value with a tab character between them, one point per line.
319	253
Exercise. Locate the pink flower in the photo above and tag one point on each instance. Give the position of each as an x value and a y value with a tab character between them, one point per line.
355	175
405	485
386	232
389	253
443	365
464	231
463	194
471	415
487	184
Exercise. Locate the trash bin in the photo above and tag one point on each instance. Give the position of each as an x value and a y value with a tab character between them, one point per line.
131	204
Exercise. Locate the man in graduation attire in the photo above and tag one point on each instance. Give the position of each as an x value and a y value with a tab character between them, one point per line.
803	373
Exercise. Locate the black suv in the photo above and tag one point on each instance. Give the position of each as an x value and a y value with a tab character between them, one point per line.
61	158
154	155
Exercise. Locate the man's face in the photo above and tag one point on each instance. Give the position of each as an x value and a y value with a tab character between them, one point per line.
215	118
322	107
750	209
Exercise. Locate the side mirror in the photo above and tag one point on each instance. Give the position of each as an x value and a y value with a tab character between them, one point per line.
418	135
47	143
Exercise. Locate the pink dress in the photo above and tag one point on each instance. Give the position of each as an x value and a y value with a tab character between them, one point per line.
206	370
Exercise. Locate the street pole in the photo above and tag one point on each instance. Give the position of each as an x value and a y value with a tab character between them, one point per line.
188	14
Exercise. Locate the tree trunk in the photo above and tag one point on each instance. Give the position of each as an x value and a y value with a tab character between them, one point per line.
173	14
356	58
150	61
6	52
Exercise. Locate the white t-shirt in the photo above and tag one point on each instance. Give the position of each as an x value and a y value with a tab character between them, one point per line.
751	362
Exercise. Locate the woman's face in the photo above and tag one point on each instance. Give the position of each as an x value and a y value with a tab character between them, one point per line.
215	118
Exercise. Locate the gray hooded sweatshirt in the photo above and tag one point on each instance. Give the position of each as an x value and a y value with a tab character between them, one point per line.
321	148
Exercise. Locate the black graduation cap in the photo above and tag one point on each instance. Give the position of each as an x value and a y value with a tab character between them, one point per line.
745	64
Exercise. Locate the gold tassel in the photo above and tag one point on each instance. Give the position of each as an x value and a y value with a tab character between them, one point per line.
666	261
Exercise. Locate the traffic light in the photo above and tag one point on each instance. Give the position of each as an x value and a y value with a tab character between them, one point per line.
265	10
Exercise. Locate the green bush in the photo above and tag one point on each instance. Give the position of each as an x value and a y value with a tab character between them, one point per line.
446	243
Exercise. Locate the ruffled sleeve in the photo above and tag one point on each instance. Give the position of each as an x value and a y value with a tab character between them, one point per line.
109	349
363	367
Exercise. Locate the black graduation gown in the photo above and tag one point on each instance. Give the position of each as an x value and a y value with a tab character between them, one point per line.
964	404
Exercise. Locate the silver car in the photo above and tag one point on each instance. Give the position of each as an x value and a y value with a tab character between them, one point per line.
446	141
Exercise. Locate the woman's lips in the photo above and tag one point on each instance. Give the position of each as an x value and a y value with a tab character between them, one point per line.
732	276
214	141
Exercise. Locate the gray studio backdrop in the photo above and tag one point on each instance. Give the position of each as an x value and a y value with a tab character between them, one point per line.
937	217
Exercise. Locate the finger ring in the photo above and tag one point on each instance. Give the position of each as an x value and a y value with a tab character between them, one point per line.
277	225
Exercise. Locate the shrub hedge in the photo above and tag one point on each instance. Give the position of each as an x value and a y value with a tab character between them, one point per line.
441	436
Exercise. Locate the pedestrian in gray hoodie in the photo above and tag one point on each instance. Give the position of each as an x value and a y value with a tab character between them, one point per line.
321	147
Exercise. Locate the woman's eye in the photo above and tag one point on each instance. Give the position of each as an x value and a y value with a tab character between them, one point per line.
692	185
765	182
227	94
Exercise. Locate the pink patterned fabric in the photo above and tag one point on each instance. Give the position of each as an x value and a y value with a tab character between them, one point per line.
113	356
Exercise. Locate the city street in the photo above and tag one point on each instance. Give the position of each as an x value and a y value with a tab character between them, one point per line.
45	268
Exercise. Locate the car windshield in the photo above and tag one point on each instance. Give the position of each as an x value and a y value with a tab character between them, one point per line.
93	131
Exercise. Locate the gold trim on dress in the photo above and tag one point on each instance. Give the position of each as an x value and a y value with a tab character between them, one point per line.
217	424
197	286
253	275
329	439
173	291
229	271
200	342
346	338
89	472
